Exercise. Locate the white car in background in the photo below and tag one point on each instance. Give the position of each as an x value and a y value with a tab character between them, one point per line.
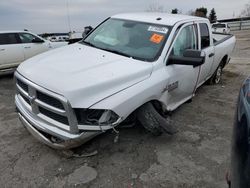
17	46
221	28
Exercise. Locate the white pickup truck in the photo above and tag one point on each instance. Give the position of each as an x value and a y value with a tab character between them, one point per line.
137	65
17	46
221	28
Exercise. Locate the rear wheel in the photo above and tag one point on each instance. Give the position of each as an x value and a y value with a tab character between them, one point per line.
216	78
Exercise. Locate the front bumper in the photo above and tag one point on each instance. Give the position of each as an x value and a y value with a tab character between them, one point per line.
67	144
50	118
40	129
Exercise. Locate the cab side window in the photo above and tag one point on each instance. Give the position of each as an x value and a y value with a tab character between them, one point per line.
205	37
8	38
185	40
27	38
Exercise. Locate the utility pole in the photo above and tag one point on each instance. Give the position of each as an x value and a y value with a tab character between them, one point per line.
68	16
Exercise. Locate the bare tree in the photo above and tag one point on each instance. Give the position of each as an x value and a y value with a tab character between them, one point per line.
155	7
246	11
191	12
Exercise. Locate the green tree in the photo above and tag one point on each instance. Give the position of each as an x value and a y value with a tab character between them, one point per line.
175	11
201	12
212	16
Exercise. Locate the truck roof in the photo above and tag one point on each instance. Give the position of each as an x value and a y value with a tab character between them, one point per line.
153	17
12	31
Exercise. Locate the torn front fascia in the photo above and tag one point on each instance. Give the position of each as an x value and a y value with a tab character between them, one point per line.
96	117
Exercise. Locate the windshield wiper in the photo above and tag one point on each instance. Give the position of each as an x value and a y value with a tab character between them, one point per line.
109	50
89	44
116	52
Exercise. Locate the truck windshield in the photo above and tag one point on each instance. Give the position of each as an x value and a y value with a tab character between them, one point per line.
143	41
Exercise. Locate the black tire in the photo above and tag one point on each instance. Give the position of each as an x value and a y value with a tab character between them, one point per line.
153	121
216	78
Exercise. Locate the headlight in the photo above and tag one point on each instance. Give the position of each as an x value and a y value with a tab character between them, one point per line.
95	117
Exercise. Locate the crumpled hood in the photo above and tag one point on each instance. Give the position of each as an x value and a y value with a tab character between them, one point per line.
84	75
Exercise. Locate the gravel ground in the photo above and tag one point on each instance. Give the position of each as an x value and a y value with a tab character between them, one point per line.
198	156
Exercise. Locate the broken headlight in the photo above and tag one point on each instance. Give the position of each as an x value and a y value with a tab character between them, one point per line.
95	117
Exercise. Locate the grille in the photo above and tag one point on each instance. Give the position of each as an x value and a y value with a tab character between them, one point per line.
25	98
57	117
49	100
23	85
41	103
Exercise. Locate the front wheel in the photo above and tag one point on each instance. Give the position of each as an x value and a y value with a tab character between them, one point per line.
153	121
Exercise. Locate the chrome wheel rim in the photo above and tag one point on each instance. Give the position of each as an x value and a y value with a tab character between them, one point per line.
218	75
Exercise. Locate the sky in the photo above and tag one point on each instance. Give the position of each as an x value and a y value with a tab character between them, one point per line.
42	16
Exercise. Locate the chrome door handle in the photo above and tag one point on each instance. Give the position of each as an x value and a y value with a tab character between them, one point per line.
27	47
2	49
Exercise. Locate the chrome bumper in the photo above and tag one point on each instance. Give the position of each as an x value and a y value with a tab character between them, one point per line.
44	126
37	127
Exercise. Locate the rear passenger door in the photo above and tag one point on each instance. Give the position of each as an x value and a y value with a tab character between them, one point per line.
206	45
11	51
30	48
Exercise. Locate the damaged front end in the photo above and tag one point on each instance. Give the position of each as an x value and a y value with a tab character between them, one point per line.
97	119
50	118
101	121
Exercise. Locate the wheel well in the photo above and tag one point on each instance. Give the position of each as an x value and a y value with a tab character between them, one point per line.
224	60
159	106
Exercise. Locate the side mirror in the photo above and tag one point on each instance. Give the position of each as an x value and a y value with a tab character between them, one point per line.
37	40
190	57
86	31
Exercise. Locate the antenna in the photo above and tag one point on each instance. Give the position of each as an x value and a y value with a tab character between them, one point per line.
67	3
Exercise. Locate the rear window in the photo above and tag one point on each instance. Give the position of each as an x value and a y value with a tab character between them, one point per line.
8	38
205	38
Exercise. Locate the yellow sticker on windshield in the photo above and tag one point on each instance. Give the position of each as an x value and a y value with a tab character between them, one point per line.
156	38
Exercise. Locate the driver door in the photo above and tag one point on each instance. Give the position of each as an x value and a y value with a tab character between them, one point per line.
183	78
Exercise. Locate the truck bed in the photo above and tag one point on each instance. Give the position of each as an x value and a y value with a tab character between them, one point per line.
220	37
224	45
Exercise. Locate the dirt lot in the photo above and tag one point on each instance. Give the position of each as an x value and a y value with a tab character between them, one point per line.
198	156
